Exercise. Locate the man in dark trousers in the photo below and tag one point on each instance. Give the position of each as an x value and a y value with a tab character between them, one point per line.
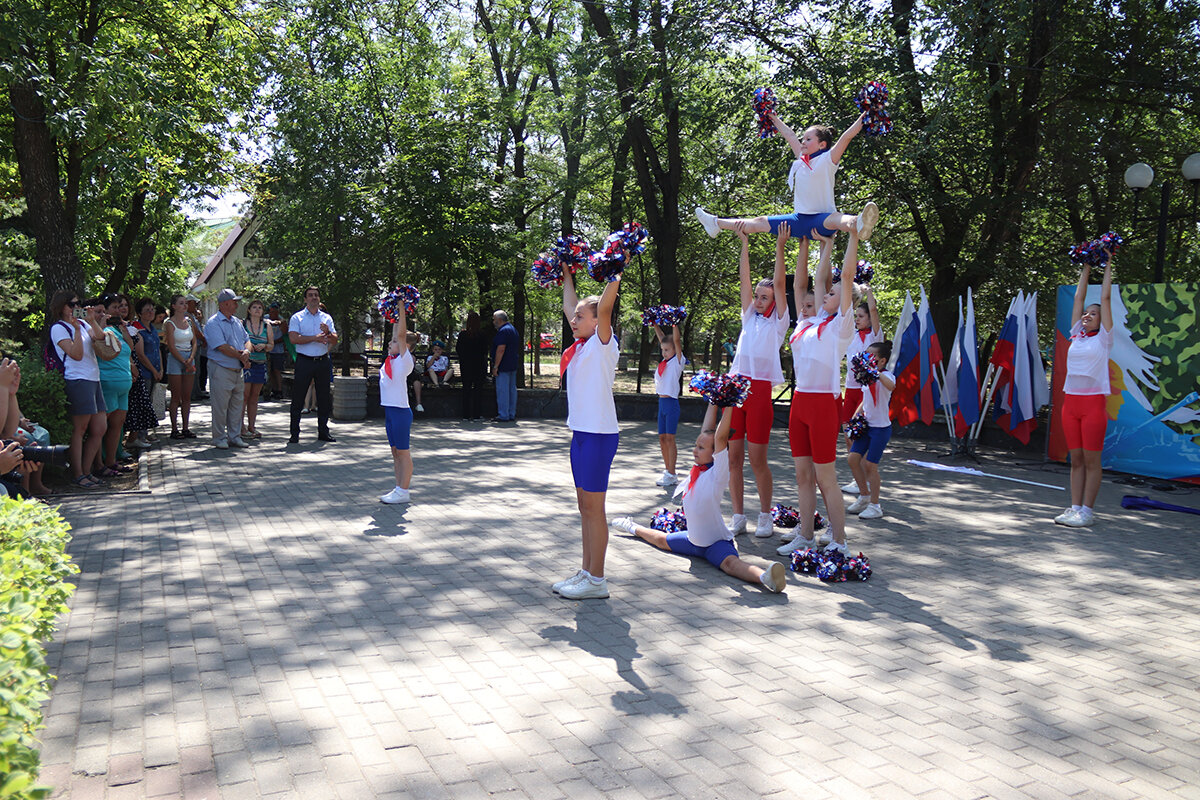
311	330
506	360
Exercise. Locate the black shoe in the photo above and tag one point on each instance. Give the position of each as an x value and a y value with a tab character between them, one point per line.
293	439
325	437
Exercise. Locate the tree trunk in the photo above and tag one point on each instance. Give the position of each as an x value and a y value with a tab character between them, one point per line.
120	253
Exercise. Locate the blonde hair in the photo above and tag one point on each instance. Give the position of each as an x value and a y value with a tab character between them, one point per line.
592	301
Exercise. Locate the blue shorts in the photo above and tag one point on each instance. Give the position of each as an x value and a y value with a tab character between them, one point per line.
591	459
668	415
116	394
714	554
398	422
256	374
802	224
872	444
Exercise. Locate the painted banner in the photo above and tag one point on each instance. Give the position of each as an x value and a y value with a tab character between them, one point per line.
1154	369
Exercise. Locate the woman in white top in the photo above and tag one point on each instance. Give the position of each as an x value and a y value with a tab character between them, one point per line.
72	340
818	346
180	335
1085	396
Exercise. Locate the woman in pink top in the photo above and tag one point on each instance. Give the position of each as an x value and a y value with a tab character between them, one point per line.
1085	396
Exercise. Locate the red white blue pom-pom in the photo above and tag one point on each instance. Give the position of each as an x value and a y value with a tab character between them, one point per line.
608	263
873	99
764	104
663	315
668	521
863	273
831	566
1098	250
408	295
857	427
636	237
547	271
721	391
862	367
572	252
789	517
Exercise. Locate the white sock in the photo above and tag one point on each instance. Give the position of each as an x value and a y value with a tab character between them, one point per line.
1088	509
1075	507
596	581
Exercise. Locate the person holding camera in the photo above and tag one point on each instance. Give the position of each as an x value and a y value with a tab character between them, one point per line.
15	429
73	333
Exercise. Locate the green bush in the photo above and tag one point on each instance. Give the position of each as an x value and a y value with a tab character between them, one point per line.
34	567
43	397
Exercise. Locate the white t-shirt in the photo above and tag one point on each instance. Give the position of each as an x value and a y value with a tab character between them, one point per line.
812	184
590	406
393	391
859	342
1087	362
667	376
702	505
757	354
85	369
876	410
817	353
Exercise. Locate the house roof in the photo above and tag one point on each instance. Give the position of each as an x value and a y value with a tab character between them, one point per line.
222	251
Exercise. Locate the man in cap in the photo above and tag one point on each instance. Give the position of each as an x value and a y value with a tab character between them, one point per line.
228	355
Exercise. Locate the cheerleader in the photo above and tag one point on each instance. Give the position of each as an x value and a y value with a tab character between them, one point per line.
866	333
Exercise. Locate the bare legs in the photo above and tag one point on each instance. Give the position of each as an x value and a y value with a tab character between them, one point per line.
403	465
824	476
81	452
595	530
1086	474
250	395
670	452
866	475
732	565
181	398
758	466
836	221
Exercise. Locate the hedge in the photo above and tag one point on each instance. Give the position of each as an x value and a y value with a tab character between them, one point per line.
34	566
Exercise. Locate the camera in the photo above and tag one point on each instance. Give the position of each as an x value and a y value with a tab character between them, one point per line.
54	455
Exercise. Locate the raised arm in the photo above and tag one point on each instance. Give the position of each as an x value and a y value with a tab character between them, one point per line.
1106	317
400	330
608	300
780	277
787	134
824	276
839	147
570	299
721	437
1081	295
801	278
677	338
848	265
872	309
739	228
658	334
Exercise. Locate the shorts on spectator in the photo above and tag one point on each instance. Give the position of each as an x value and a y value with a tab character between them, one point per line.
85	398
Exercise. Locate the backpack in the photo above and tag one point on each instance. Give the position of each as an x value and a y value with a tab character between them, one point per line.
50	358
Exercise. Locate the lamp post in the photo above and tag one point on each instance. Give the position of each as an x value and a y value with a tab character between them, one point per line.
1139	177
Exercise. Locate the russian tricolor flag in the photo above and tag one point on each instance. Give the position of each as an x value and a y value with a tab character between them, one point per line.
962	377
906	365
929	356
1020	388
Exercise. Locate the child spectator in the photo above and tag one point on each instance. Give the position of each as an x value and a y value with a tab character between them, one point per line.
866	333
867	450
666	384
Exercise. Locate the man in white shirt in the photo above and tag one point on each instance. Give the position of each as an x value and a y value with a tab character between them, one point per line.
228	355
312	331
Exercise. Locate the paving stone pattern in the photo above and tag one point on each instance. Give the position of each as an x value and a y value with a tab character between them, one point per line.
259	625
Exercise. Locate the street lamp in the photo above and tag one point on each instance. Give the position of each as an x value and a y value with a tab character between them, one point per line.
1139	177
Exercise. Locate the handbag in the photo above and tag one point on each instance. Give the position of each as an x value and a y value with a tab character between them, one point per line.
106	349
158	399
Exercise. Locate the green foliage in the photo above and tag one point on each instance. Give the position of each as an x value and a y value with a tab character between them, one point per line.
20	283
43	395
34	568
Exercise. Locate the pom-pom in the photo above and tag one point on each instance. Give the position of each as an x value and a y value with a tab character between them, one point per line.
788	517
668	521
663	315
572	252
764	104
856	428
805	560
818	521
721	391
636	236
547	271
1097	251
862	367
608	263
831	566
1110	243
408	295
873	99
863	273
858	568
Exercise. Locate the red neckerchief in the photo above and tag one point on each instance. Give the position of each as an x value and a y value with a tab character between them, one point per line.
874	389
662	366
807	158
862	334
697	471
1087	334
387	366
568	354
820	327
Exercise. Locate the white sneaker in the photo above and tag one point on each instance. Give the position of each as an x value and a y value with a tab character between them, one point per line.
1079	519
579	574
774	578
858	505
788	535
395	496
798	543
221	445
585	589
1065	516
624	524
867	219
709	221
851	488
835	547
739	524
765	527
824	538
666	479
236	441
872	511
420	408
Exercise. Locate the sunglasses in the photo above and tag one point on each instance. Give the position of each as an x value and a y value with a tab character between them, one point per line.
74	304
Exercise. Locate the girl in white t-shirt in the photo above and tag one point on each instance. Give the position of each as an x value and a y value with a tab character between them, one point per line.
818	346
666	384
589	366
1085	396
393	396
867	450
866	333
764	326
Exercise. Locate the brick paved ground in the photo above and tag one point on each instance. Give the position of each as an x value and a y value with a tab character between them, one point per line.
260	626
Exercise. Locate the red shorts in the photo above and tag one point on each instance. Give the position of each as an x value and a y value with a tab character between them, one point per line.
753	420
813	426
1085	421
850	403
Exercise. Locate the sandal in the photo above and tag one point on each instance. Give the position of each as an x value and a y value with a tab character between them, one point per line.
189	434
177	435
86	482
124	470
107	472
